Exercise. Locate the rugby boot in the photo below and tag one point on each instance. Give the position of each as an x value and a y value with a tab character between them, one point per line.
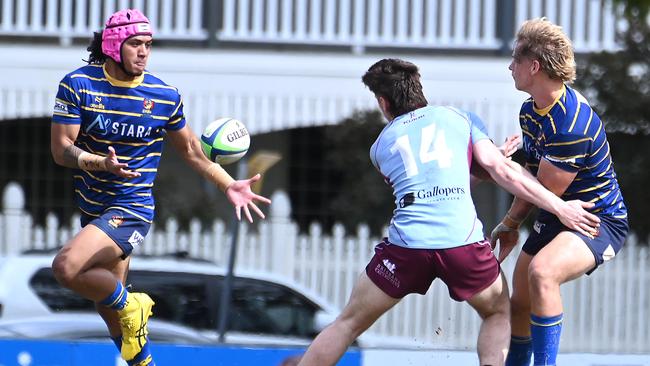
146	362
133	323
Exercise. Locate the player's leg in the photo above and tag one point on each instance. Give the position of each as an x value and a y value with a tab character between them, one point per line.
565	258
111	318
85	263
472	274
493	305
367	303
81	264
120	270
521	346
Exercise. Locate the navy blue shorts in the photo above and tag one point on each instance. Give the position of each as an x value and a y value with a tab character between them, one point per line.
604	246
127	231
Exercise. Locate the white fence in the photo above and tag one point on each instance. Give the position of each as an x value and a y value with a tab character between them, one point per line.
360	23
438	24
591	24
606	313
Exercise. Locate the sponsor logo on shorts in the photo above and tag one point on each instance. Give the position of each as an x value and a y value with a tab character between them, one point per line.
136	238
60	107
381	270
116	221
389	265
609	253
538	226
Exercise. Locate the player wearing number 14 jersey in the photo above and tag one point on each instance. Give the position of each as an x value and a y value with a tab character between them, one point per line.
425	154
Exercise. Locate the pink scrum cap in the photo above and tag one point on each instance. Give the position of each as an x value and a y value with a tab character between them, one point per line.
120	26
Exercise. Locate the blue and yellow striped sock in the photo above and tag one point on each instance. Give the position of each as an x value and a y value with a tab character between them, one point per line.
521	349
546	333
117	299
142	358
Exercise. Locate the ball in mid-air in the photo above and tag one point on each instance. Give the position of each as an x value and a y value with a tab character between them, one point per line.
225	140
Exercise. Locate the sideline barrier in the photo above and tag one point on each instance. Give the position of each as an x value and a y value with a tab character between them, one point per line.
62	353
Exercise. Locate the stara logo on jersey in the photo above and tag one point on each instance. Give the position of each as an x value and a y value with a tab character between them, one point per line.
100	124
116	221
147	105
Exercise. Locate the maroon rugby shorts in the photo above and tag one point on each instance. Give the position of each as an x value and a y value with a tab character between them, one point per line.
466	270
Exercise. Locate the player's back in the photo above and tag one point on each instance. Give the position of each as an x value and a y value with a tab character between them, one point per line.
425	156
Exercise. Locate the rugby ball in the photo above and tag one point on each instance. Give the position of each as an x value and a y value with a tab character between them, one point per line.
225	140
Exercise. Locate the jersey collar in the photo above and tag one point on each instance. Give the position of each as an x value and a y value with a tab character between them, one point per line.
544	111
126	84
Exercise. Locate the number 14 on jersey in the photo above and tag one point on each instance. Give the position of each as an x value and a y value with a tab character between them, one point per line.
433	147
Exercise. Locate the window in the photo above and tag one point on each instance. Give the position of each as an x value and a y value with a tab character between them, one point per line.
268	308
190	299
180	297
55	296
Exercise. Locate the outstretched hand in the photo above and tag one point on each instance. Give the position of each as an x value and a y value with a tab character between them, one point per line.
510	146
239	193
575	217
114	166
507	238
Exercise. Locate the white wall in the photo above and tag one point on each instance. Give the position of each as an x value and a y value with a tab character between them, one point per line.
269	90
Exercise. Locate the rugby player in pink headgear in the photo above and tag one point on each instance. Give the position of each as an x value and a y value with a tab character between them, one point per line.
124	44
109	123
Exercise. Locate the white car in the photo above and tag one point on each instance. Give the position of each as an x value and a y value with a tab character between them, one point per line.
91	327
265	309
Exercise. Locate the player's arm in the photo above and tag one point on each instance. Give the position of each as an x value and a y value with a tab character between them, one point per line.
65	153
509	147
189	147
239	192
522	184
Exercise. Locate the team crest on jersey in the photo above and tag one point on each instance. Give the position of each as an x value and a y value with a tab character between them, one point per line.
116	221
100	124
147	105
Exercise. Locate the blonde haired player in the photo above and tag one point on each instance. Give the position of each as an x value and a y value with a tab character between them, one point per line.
109	121
566	148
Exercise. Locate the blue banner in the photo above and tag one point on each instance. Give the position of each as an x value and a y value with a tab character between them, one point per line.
59	353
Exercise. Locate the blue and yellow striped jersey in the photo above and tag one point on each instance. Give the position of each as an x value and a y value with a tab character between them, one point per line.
130	116
571	136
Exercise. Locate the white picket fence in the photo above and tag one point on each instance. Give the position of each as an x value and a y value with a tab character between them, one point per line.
437	24
609	312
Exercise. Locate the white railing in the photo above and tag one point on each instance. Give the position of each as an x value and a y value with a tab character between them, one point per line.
609	312
591	24
66	19
361	23
434	24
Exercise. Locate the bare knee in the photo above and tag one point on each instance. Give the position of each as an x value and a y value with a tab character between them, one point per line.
351	325
498	304
541	278
64	270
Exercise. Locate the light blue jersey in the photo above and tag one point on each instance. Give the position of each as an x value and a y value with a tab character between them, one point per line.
425	155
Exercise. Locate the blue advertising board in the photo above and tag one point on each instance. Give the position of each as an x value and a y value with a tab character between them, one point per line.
61	353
